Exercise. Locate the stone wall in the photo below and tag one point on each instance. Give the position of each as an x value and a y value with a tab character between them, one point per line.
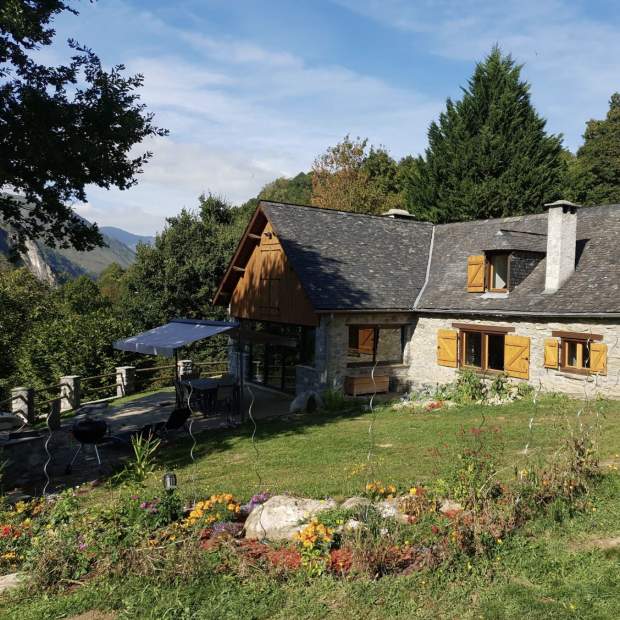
422	355
333	343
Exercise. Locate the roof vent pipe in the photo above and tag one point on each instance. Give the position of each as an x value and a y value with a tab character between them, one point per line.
561	243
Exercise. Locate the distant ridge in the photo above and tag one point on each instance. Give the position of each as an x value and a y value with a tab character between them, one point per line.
131	240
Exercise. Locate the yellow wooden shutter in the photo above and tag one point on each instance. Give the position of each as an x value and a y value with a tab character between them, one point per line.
366	342
475	274
552	353
598	358
517	356
447	348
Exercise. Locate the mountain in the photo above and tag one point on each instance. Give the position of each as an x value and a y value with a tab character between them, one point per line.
129	239
53	265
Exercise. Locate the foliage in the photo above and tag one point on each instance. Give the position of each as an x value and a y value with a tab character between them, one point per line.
90	115
219	507
297	190
143	463
352	177
488	155
378	490
595	173
178	275
315	541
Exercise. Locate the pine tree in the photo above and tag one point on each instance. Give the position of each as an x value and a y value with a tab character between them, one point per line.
596	170
489	155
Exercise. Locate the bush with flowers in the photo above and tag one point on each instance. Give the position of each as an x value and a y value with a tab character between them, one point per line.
315	541
377	490
217	508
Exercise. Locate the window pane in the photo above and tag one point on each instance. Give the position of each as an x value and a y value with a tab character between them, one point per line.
586	355
473	349
496	351
500	271
571	353
390	345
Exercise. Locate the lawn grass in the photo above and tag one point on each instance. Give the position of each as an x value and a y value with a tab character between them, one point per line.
549	569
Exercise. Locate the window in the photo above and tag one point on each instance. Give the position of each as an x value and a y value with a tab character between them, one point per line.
482	350
580	353
375	344
576	354
498	273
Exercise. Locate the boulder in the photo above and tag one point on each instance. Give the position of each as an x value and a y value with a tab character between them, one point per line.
10	582
306	402
281	517
450	508
353	503
389	509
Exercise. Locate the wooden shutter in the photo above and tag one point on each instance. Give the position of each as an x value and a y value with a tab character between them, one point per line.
475	274
552	353
447	348
517	356
598	358
366	340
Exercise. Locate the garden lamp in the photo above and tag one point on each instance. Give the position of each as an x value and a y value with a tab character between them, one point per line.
170	481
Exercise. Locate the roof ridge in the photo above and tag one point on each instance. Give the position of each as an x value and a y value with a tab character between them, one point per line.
342	212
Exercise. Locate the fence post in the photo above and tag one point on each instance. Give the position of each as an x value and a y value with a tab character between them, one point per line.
185	368
23	403
125	380
54	419
70	392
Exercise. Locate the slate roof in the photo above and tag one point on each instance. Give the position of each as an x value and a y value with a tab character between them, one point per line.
593	289
349	261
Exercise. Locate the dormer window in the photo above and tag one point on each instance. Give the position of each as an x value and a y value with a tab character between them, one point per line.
497	272
490	272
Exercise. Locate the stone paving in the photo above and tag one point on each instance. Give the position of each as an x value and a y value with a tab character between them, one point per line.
26	455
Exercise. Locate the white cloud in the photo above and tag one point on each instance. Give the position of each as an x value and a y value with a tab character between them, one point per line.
570	59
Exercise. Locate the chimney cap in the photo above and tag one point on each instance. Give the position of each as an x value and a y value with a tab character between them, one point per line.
398	213
561	203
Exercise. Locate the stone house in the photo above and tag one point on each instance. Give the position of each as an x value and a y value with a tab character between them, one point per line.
326	298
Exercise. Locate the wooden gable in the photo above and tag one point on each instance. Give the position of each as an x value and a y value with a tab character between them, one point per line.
261	282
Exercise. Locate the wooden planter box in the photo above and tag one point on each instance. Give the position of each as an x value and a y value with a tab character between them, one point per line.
354	386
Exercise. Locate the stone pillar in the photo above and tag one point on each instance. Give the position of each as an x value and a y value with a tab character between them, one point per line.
185	369
23	403
70	390
125	380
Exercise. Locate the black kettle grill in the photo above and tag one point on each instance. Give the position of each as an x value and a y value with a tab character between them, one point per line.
88	431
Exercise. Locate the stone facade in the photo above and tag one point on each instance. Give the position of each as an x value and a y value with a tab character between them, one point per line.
423	367
420	366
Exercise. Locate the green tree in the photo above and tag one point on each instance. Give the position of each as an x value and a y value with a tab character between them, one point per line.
353	177
489	154
61	128
297	190
178	275
24	302
595	172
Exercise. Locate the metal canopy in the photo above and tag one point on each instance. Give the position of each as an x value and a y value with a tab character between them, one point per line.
166	339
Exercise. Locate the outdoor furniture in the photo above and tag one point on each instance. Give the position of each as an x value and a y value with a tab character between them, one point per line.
212	396
354	386
88	431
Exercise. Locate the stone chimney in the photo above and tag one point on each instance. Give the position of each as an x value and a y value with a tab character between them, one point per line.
561	243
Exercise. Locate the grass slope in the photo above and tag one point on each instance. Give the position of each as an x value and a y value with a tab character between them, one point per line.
548	570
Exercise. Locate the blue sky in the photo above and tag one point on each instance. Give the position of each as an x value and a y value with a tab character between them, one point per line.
254	90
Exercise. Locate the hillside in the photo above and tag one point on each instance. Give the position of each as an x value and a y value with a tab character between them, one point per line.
53	265
131	240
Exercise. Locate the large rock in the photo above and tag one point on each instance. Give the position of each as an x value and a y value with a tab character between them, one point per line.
389	509
306	402
354	503
281	517
10	582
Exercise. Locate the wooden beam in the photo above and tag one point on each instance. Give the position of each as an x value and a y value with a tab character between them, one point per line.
253	236
583	336
239	269
489	329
